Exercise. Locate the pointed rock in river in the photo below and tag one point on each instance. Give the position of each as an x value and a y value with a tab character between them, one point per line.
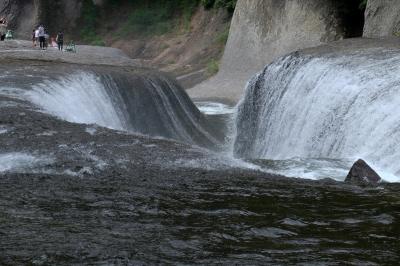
362	174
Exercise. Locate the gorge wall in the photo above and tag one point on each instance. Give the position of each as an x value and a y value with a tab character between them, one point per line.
24	15
263	30
382	18
20	14
179	36
260	32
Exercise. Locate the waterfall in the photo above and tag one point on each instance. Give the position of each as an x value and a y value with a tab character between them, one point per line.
149	104
328	106
79	98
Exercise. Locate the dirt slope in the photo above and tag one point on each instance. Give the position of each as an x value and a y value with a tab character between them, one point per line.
183	52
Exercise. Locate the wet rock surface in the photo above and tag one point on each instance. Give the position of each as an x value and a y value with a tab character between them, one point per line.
362	174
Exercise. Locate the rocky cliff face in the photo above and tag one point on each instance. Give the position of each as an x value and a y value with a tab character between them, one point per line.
382	18
21	14
263	30
184	50
24	15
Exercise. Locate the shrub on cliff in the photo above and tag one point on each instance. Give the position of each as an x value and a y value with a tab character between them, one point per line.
229	4
142	17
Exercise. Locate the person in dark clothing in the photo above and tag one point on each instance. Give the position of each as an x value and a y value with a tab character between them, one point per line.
60	40
46	39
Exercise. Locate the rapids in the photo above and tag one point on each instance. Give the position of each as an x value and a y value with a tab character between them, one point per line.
324	107
148	104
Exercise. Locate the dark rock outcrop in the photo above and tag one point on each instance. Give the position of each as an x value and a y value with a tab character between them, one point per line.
362	174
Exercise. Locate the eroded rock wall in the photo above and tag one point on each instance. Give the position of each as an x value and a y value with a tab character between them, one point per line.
382	18
24	15
263	30
21	14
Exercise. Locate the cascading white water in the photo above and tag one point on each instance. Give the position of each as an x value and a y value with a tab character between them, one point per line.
337	107
80	98
22	162
147	103
214	108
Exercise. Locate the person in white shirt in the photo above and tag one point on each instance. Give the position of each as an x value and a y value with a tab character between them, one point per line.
37	36
42	39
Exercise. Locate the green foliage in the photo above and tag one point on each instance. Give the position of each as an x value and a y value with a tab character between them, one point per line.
222	38
89	15
147	21
228	4
147	17
208	3
212	67
363	4
188	7
89	20
157	17
92	38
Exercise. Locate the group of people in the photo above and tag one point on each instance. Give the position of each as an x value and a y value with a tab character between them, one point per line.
3	28
42	38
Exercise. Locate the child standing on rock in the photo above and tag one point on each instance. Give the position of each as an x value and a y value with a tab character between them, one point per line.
34	38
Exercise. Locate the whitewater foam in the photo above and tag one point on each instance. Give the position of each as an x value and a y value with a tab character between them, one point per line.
214	108
80	98
307	168
4	129
19	162
324	107
145	104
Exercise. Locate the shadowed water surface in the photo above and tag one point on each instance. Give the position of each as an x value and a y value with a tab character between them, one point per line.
184	219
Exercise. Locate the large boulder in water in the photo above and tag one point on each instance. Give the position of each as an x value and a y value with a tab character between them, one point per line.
362	174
